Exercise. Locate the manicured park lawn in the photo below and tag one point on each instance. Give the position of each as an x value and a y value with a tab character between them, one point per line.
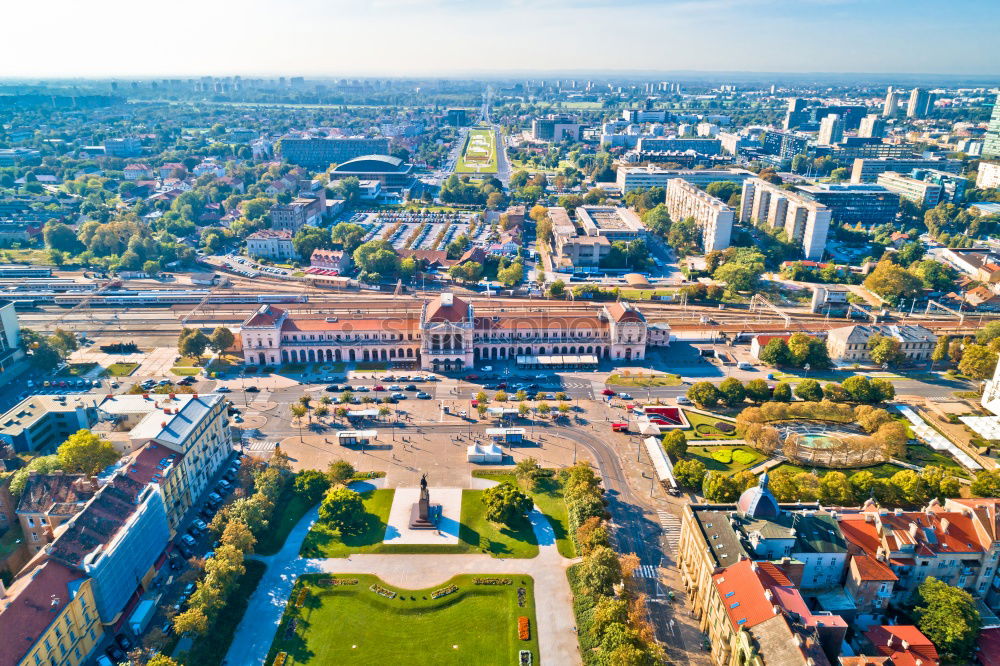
122	369
351	624
918	454
549	500
288	511
475	532
80	369
644	381
479	154
714	457
703	426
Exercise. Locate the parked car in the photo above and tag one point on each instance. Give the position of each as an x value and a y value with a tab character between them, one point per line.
116	654
683	400
607	392
188	540
410	387
185	551
223	389
624	396
379	387
124	642
253	389
333	388
188	589
200	524
424	396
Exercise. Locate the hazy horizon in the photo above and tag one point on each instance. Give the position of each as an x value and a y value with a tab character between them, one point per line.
402	38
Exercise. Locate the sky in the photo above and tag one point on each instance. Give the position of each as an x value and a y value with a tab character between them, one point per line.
100	38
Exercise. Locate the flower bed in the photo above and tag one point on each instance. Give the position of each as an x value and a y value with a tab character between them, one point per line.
707	429
491	581
303	595
290	628
522	596
381	591
725	427
280	659
743	457
331	582
444	591
524	657
523	628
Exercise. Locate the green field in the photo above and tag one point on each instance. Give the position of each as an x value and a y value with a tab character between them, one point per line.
476	533
122	369
479	155
352	624
548	498
644	381
880	471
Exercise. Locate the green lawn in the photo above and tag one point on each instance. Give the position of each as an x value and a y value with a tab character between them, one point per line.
881	471
646	294
703	426
475	533
548	497
211	648
185	372
744	460
918	454
80	369
644	381
351	624
479	155
290	508
122	369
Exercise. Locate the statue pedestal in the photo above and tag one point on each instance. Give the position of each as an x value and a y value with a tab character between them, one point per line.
422	518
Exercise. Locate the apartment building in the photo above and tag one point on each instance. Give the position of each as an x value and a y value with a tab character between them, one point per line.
48	616
11	353
39	423
712	215
155	463
924	194
298	213
849	344
271	244
831	130
49	500
991	142
446	334
872	127
867	169
988	175
805	220
195	426
633	178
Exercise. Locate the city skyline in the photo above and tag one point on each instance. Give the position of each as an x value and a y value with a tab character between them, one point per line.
402	37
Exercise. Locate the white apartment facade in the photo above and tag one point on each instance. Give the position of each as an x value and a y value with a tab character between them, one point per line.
804	220
988	176
711	214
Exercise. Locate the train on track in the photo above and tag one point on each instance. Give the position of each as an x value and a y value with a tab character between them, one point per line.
131	298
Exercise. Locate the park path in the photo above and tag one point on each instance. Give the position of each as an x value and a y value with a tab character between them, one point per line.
557	640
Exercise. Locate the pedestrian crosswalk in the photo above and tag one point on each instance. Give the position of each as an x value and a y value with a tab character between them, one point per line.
647	571
671	525
258	446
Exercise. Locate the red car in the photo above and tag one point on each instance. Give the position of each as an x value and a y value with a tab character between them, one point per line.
471	377
607	391
378	387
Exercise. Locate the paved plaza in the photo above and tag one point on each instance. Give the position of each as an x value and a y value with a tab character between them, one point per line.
398	530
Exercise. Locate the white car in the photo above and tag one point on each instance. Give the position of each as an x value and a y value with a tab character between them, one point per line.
683	400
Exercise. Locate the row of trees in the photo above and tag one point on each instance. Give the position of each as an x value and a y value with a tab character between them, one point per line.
798	351
45	352
192	342
733	393
612	627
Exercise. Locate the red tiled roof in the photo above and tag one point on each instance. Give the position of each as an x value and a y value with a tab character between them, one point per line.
744	594
27	610
871	569
266	316
888	640
99	521
989	646
455	312
624	312
386	325
556	323
149	463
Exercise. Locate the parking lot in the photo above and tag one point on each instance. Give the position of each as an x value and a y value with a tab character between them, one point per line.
416	230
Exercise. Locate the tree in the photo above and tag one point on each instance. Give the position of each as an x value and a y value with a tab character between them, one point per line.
85	452
758	390
41	464
529	472
986	334
885	350
704	394
910	486
59	236
238	535
986	484
719	487
221	339
192	342
782	392
675	444
949	618
347	235
884	390
732	392
690	473
376	256
977	362
342	509
161	660
834	392
859	388
776	353
64	342
940	352
511	275
557	289
506	504
892	282
809	389
308	239
311	484
835	489
340	472
600	571
738	277
191	621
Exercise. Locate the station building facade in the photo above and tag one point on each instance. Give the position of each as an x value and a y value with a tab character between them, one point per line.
447	334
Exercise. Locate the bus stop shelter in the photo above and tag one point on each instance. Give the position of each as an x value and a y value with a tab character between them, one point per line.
356	437
558	361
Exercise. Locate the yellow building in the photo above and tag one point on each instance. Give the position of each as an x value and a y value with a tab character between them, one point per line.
48	617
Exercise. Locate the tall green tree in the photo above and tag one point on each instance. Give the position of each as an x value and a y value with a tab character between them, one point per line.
948	616
506	504
86	452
